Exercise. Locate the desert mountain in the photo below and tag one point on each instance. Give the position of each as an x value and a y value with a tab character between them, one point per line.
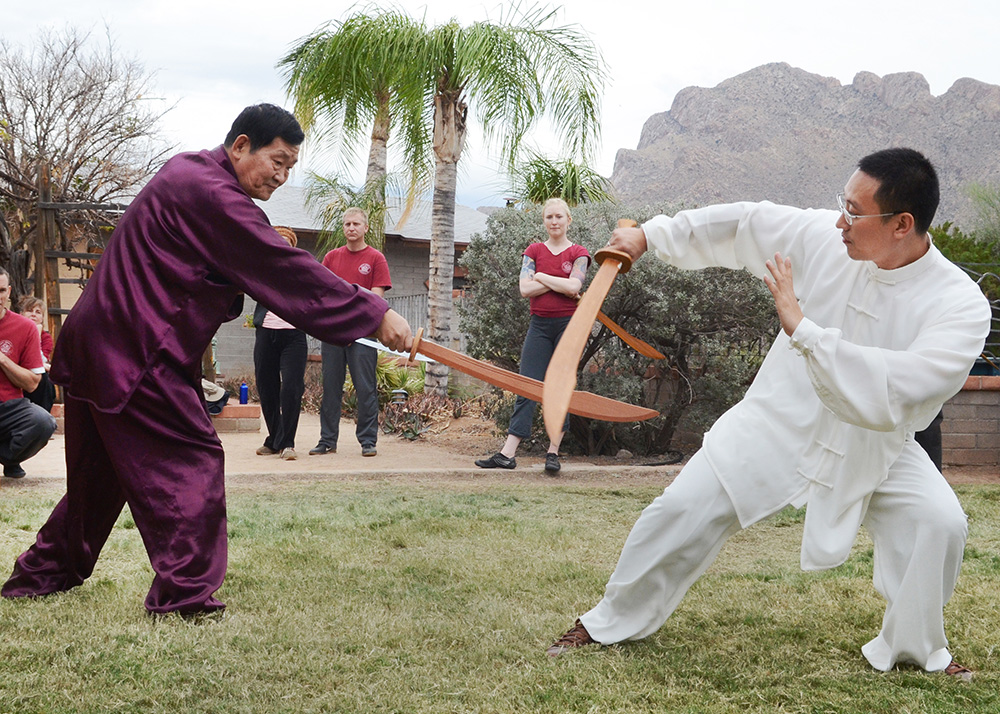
786	135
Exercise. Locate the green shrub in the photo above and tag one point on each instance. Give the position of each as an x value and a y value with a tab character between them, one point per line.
964	249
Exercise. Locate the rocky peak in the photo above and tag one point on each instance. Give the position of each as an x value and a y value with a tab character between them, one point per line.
781	133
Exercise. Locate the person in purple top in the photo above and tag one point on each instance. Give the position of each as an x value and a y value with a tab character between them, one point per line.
137	427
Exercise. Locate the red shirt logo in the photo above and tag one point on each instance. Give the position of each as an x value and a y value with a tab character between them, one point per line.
365	268
567	267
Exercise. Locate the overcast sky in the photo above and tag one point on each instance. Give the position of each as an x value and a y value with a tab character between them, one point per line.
214	58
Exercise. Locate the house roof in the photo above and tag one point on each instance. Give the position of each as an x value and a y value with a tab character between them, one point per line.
287	207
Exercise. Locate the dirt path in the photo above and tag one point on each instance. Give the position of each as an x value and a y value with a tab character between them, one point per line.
444	454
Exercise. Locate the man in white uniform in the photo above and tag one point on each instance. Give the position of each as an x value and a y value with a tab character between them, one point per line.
878	331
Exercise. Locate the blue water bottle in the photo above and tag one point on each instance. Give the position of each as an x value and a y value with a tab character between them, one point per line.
244	393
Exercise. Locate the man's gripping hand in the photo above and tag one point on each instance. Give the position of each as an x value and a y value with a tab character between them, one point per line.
394	332
629	240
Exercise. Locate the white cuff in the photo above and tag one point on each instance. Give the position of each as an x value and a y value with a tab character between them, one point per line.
806	336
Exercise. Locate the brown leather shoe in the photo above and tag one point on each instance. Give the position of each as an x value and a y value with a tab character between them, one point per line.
963	674
577	636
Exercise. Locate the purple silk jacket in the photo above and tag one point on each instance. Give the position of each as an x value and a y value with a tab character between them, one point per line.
172	273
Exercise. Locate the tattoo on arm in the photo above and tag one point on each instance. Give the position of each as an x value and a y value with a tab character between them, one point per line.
579	270
527	269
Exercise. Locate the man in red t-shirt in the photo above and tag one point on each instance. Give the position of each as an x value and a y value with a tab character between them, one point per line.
24	427
366	267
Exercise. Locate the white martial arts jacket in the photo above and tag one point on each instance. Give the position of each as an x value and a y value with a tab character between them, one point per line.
878	353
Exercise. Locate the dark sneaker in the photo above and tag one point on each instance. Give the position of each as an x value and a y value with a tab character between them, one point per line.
963	674
576	637
322	449
13	471
552	463
265	451
497	461
369	450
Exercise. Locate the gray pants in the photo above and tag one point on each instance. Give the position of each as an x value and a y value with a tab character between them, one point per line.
24	429
361	360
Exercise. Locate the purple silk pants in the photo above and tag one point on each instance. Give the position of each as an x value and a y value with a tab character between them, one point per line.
160	455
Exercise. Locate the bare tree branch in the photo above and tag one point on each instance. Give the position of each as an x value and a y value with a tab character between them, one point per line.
80	107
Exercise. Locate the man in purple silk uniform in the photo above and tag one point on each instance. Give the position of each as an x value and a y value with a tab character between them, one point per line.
129	357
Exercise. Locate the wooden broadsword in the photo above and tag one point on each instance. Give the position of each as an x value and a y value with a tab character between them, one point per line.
560	377
585	404
643	348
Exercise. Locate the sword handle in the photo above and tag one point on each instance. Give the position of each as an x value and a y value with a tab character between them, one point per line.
416	344
624	259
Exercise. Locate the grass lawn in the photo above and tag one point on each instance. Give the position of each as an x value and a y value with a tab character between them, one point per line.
395	597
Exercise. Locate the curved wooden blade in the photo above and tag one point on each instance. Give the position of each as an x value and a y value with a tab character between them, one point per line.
586	404
643	348
560	377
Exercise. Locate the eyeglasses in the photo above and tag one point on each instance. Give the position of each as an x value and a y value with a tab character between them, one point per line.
850	217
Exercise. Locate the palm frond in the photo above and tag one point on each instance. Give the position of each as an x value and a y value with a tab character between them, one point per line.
347	74
331	196
513	72
539	178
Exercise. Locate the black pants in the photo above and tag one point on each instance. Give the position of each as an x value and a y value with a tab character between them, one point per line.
44	394
539	344
24	429
930	439
279	358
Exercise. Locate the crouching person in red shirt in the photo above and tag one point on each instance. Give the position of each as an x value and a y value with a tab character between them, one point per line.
24	427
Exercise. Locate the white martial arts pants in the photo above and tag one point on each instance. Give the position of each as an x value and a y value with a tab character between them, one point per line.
915	521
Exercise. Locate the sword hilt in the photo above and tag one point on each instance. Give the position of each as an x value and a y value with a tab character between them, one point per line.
624	259
416	344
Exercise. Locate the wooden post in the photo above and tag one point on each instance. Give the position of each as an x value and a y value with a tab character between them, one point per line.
47	269
41	236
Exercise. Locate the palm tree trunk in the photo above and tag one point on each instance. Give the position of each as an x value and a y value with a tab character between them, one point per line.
442	270
449	139
377	154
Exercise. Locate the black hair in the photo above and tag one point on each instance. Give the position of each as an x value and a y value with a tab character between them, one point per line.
262	123
908	183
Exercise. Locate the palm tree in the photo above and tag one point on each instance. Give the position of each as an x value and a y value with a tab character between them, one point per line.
358	73
388	68
510	74
540	178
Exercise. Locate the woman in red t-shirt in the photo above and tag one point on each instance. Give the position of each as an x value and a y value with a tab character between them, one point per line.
552	276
